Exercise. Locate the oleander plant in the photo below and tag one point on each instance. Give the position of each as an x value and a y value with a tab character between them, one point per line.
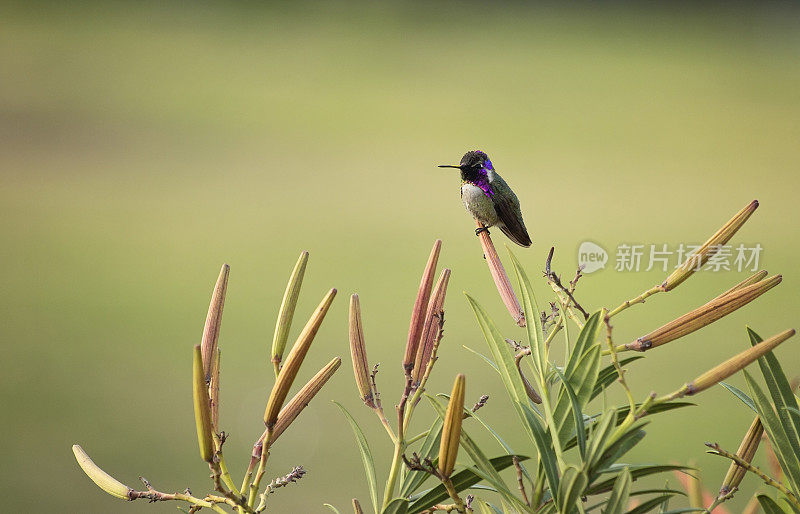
248	497
575	459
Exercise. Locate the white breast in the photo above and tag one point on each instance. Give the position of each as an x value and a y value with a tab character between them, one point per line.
478	204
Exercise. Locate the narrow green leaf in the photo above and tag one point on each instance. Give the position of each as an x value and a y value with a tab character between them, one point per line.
601	431
618	448
640	492
770	506
787	458
618	501
683	510
781	392
622	413
649	505
501	352
331	507
586	340
484	507
577	415
482	356
636	471
571	487
740	394
608	376
366	456
462	480
512	381
430	447
581	379
533	321
397	506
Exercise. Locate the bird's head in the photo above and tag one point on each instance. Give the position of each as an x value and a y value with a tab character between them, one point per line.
473	164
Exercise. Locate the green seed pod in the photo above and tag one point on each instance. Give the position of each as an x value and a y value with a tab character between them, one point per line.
709	248
747	450
293	361
202	408
284	323
451	429
103	480
736	363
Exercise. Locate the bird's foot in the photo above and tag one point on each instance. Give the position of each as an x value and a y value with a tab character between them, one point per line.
481	229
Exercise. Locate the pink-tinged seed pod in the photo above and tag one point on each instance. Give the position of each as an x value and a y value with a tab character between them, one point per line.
432	327
214	321
420	308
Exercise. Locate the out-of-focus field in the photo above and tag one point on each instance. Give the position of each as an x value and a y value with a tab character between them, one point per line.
143	145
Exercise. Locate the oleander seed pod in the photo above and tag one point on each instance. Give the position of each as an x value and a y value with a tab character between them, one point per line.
202	408
103	480
700	256
451	428
358	353
295	358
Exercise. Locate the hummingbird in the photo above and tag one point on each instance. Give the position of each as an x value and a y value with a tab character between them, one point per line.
489	199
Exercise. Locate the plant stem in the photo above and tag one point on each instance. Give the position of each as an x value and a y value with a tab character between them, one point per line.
155	496
262	467
639	299
394	472
620	371
451	490
552	334
416	438
717	450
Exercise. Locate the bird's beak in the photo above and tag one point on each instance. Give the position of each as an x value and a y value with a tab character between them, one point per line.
449	166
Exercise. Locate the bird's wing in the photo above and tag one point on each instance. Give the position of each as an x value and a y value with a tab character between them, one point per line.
509	213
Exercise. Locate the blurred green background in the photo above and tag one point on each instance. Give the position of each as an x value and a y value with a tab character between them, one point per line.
143	145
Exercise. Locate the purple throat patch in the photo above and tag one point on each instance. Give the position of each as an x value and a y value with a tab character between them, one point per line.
483	180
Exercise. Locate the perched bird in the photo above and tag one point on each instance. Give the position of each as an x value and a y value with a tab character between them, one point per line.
489	199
